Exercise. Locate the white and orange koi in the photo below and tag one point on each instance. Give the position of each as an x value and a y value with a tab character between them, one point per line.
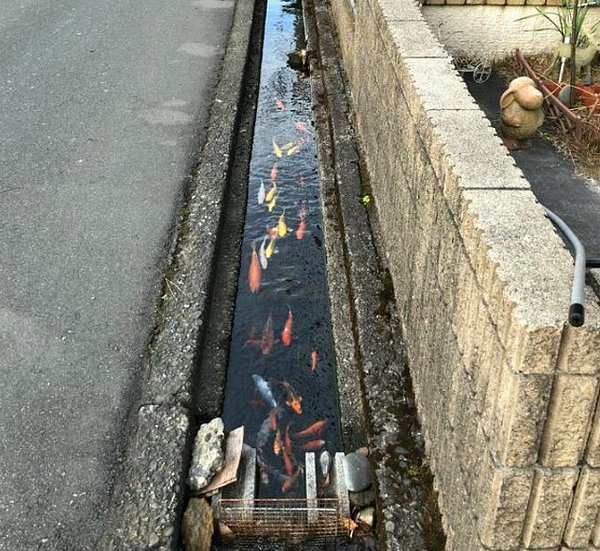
267	341
279	104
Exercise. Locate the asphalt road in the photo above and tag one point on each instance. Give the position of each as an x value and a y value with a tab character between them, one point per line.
101	113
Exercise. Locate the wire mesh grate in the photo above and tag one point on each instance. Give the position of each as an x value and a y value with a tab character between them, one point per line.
285	521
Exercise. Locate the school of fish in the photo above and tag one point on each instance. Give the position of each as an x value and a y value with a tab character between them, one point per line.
287	431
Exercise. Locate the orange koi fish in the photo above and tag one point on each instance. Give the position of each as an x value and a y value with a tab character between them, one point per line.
289	483
267	341
279	104
301	230
254	273
282	228
277	445
273	419
274	173
315	429
287	463
312	445
294	400
314	360
277	150
349	525
286	334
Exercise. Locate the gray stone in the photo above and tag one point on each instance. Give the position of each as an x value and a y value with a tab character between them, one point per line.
198	525
358	472
208	456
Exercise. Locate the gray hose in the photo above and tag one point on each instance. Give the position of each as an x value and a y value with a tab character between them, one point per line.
576	310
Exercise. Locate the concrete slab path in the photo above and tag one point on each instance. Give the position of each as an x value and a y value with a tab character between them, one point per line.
101	111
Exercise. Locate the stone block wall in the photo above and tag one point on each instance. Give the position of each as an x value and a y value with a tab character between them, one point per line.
507	393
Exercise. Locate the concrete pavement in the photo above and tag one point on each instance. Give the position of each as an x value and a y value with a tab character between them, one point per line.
101	116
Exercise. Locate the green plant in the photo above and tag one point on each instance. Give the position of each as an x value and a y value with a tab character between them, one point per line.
561	20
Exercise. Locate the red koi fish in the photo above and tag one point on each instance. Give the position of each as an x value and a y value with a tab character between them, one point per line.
254	273
267	341
290	482
315	429
314	360
286	334
287	441
287	463
279	104
312	445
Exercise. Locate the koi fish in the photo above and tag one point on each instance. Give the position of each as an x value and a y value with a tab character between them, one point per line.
274	173
287	441
349	525
267	340
272	232
282	228
301	230
315	429
287	146
270	195
312	445
301	126
273	418
277	150
261	192
289	483
277	445
286	334
262	437
325	462
314	360
279	104
270	247
287	463
266	393
301	181
262	255
294	149
272	204
294	400
254	274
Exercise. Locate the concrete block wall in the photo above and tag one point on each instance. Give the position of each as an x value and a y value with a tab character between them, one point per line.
507	393
492	29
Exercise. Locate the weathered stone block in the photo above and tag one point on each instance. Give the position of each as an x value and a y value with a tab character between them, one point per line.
501	512
549	506
520	416
585	509
569	419
592	453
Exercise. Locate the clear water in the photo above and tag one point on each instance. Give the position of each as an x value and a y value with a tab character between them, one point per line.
295	279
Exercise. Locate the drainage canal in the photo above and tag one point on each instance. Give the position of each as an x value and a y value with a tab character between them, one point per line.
281	379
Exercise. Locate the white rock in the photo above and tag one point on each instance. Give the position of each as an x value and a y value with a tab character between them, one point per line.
208	456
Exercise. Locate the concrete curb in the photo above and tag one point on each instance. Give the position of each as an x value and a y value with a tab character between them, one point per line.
148	496
377	362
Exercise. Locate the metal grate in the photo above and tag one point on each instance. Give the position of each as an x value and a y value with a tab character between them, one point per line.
285	521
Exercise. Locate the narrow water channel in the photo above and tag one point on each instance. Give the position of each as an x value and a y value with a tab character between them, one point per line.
281	380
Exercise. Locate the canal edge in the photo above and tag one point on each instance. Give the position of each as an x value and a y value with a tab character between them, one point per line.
146	502
370	323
